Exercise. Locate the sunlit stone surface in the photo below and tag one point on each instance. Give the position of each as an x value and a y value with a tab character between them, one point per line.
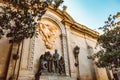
56	30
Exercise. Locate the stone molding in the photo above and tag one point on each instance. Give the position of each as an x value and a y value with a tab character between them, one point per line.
68	19
31	55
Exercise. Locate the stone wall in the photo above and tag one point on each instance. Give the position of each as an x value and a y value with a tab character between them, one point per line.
87	45
34	48
64	40
4	55
101	74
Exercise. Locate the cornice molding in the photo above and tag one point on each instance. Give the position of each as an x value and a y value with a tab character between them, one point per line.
81	28
68	20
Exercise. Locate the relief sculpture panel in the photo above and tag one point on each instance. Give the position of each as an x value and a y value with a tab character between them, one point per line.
49	56
48	33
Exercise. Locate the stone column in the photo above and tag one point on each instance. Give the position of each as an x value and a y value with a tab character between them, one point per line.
65	54
25	54
13	65
91	63
98	73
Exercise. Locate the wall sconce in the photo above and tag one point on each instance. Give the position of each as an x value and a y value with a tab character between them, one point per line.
76	51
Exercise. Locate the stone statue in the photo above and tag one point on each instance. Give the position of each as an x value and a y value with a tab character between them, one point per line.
43	62
48	34
46	62
61	65
56	60
57	3
40	67
49	61
50	1
64	8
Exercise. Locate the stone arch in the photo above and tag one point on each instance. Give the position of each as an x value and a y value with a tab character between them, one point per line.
58	22
63	39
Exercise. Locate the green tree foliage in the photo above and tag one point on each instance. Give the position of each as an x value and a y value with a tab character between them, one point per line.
18	18
110	41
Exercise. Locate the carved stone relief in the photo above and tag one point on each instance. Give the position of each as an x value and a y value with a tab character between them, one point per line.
48	33
31	55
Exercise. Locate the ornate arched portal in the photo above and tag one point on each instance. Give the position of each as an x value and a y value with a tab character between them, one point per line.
53	35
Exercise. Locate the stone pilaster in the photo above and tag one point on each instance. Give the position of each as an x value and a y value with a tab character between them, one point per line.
70	52
65	54
27	60
25	54
12	66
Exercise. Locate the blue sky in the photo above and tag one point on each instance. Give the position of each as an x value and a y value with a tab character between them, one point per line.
92	13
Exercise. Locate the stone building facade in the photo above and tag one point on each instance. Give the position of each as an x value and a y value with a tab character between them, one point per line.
56	31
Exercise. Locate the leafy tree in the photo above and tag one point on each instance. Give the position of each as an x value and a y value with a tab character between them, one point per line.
110	41
18	20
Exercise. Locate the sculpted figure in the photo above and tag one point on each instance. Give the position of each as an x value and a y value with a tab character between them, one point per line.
50	1
41	66
48	34
61	65
49	61
58	3
43	62
56	60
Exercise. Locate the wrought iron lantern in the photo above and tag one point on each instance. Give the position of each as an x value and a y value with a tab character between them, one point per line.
76	51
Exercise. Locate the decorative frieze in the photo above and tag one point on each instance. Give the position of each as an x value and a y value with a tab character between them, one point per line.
31	55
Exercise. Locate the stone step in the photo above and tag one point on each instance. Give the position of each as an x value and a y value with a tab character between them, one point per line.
53	77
